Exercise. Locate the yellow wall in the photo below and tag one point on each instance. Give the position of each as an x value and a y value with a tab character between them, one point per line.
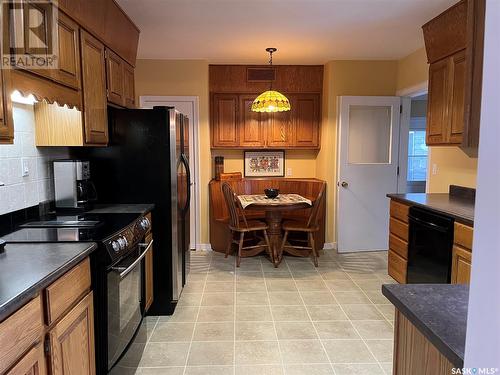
302	163
346	78
412	69
453	165
183	77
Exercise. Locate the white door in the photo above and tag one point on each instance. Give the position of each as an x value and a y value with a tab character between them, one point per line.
188	106
367	170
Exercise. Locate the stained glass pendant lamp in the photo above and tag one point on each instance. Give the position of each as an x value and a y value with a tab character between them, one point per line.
271	101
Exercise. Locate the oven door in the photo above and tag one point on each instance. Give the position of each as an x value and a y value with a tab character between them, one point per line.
125	285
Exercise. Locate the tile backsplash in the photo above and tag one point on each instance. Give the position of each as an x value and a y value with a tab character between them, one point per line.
20	191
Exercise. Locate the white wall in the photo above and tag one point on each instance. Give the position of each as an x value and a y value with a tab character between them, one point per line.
483	324
20	192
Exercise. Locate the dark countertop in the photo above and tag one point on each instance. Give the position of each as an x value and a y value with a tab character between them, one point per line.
122	208
439	311
460	208
26	269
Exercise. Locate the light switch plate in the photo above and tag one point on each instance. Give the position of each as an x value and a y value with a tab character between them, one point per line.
25	168
289	171
434	169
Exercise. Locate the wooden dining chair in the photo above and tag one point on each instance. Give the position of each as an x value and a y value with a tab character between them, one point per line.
309	226
238	224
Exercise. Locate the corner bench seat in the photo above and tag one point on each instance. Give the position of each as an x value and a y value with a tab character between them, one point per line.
219	215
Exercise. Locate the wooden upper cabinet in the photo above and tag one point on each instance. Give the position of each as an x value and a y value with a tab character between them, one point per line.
72	341
114	78
437	107
280	129
94	90
225	131
128	85
454	44
457	98
6	125
305	111
68	52
251	124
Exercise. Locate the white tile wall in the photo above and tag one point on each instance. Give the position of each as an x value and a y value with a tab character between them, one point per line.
17	191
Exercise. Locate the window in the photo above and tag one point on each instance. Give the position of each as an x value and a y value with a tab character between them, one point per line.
417	156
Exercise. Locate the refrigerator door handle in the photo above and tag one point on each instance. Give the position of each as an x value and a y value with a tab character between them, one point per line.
188	185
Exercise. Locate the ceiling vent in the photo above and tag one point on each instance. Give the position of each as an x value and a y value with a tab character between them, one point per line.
261	74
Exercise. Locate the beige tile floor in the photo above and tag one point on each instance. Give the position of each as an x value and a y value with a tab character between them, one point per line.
256	319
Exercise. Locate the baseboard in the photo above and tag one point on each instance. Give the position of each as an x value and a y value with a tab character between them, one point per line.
330	246
203	247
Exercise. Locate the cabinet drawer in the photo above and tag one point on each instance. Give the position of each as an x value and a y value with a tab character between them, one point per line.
19	332
399	211
33	363
397	267
67	290
398	228
463	235
399	246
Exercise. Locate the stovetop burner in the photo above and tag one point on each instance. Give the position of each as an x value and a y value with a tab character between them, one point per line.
72	228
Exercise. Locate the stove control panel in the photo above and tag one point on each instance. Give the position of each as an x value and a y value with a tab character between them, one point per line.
127	238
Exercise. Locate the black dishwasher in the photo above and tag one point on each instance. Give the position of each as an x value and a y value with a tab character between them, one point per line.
429	247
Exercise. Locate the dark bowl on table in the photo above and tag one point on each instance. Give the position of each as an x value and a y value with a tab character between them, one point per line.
271	193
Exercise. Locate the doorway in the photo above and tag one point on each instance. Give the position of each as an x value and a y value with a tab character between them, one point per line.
187	105
417	155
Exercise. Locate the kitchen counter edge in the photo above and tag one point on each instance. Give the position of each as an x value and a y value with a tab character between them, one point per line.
452	346
403	198
32	291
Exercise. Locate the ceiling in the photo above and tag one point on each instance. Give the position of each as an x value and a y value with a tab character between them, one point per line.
304	31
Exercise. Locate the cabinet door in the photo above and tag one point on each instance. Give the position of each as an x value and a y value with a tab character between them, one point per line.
438	102
114	78
6	127
94	90
148	263
457	108
280	129
72	341
128	85
251	126
305	110
68	52
225	120
33	363
460	265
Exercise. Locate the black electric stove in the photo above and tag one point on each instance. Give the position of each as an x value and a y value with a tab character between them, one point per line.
118	279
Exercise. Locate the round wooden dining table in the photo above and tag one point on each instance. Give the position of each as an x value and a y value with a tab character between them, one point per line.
274	210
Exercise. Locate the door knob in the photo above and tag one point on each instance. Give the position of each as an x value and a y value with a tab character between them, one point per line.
343	184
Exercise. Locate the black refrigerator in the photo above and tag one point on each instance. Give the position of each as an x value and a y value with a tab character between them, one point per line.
147	161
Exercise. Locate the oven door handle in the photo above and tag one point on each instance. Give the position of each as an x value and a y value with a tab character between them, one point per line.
124	272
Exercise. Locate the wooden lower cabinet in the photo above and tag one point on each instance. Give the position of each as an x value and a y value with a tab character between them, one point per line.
72	341
398	241
461	265
397	267
33	363
414	354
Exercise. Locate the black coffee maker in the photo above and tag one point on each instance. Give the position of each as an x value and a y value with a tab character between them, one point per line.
72	184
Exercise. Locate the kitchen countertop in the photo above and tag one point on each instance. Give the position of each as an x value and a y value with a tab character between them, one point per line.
439	311
460	208
26	269
122	208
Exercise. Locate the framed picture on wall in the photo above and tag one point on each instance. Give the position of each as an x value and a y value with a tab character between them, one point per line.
265	163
